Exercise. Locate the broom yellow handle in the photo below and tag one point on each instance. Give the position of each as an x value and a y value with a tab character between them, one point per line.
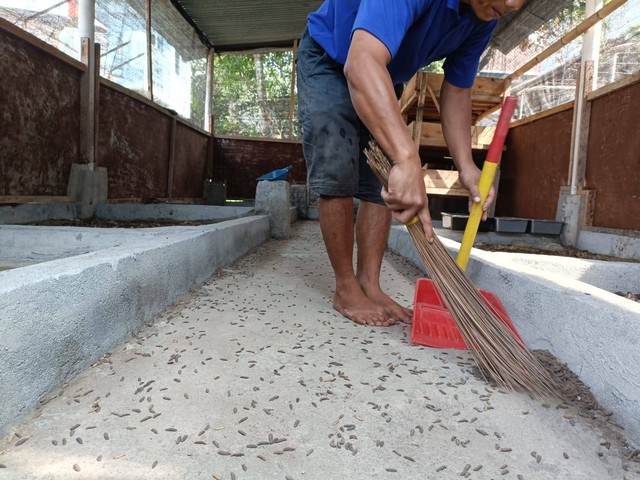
486	180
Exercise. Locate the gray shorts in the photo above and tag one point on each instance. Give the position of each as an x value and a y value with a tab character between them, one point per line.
333	137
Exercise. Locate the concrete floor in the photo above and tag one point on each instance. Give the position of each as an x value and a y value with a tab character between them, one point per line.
254	376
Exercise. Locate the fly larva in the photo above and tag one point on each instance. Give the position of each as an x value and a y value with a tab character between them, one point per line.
154	431
520	477
505	450
55	443
465	470
64	441
146	418
99	458
504	472
288	449
166	398
154	464
411	459
76	467
261	457
275	397
186	395
392	470
225	453
79	440
565	455
217	445
244	467
21	441
288	477
243	419
538	459
439	469
478	468
171	429
242	432
296	423
251	445
233	476
309	452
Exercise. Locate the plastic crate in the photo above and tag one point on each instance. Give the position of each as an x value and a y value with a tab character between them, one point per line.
545	227
511	225
458	221
433	325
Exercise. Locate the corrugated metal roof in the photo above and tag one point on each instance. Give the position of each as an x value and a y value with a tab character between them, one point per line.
249	24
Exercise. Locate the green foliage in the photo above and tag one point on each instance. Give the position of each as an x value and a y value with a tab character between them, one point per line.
251	94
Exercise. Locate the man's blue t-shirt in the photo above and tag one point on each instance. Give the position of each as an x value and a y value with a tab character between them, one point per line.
416	33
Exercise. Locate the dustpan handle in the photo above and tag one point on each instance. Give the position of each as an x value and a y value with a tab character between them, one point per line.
486	180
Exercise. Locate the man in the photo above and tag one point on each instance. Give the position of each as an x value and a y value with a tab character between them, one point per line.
351	58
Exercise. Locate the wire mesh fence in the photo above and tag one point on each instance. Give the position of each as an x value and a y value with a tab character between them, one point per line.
553	81
179	58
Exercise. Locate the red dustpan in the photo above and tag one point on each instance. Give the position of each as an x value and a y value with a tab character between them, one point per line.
433	324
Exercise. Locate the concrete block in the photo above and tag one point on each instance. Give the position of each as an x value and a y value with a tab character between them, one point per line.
88	187
273	198
299	199
571	212
215	193
36	212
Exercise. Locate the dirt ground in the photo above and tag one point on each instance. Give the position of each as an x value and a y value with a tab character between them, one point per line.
557	251
102	223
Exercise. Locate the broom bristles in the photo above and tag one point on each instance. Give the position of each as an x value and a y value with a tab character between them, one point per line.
499	353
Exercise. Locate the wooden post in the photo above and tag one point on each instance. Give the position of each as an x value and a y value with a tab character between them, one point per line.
293	87
209	90
96	102
149	53
172	153
580	128
87	103
422	94
211	154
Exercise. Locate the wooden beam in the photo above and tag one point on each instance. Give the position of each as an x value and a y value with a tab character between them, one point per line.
22	199
172	154
585	122
579	131
87	102
605	11
96	100
417	125
615	86
433	97
541	115
293	87
149	51
208	95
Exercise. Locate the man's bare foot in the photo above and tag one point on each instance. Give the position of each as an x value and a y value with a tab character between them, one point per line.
356	306
390	306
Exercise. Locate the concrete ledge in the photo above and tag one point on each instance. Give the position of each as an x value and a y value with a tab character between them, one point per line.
59	317
591	330
167	211
36	212
610	243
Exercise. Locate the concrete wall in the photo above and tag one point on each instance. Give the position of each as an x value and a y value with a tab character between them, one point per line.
591	330
47	339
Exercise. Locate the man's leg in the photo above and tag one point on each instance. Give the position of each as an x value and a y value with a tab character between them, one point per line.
336	223
372	231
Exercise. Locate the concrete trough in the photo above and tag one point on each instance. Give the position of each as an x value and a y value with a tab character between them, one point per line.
59	316
566	306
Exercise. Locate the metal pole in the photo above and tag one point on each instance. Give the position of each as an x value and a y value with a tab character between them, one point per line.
591	40
87	20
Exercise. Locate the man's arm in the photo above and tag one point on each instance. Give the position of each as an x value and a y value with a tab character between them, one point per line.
375	102
455	104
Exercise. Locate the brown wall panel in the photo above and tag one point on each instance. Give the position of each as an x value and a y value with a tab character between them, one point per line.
240	162
190	163
134	140
534	167
40	120
613	159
